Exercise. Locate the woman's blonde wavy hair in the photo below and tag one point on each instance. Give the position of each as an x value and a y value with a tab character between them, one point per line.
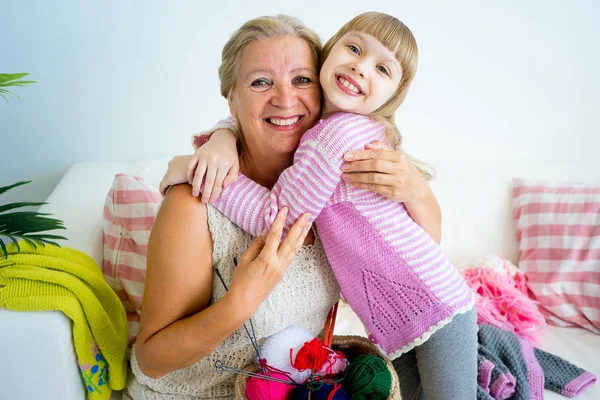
397	38
253	30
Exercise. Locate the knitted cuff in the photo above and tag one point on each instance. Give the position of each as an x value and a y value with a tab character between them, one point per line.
579	384
503	386
484	373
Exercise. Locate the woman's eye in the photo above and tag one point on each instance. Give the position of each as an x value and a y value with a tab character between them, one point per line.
260	84
302	81
383	69
354	49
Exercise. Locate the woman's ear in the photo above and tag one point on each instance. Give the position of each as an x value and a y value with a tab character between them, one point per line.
231	106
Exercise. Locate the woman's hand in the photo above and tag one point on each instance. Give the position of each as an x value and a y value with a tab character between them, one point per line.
263	265
382	170
217	163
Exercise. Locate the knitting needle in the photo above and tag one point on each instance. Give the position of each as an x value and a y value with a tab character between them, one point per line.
221	368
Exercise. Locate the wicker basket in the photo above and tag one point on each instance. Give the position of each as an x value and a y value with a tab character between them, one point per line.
352	346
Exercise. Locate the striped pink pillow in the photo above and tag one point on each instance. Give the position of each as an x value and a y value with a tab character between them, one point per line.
558	229
129	211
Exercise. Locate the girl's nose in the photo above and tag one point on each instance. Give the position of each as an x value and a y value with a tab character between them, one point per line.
358	68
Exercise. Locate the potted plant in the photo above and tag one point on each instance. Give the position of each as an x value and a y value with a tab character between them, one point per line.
30	226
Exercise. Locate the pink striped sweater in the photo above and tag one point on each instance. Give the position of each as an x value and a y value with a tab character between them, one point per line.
392	273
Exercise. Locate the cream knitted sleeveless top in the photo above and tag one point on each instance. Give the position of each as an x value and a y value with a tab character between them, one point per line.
303	297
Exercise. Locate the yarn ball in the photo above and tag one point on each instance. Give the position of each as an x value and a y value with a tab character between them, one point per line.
336	362
367	377
301	393
276	350
262	389
311	356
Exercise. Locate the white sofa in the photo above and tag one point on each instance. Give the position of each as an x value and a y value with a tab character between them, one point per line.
37	359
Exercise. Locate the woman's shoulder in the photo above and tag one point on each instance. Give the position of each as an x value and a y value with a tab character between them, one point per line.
182	211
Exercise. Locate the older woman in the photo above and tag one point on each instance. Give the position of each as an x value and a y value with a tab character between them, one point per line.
191	318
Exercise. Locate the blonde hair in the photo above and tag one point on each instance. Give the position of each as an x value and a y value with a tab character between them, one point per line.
257	29
398	39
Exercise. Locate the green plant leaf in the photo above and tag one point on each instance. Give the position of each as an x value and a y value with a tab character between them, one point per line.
3	246
12	206
14	80
14	185
26	222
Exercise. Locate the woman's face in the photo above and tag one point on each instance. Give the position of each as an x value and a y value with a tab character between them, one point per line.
276	96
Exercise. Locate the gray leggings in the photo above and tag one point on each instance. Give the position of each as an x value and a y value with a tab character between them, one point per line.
445	366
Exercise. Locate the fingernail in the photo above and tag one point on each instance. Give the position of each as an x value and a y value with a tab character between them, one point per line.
345	176
264	231
348	156
345	167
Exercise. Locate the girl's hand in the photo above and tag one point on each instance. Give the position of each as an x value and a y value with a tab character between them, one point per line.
216	162
382	170
176	173
265	262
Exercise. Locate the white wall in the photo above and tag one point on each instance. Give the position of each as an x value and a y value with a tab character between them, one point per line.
129	80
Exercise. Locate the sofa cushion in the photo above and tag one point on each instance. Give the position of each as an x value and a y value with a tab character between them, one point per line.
129	212
558	230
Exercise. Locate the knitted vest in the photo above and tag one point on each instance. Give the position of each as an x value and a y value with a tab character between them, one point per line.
303	297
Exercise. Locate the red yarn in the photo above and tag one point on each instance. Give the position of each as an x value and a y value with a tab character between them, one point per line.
336	387
311	356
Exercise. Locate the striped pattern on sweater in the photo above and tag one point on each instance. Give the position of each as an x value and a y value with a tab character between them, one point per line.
313	183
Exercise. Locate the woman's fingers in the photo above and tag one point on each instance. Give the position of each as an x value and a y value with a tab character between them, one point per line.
388	155
198	177
254	249
293	241
371	178
274	236
383	166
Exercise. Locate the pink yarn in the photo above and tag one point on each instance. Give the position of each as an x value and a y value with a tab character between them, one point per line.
335	363
501	300
262	389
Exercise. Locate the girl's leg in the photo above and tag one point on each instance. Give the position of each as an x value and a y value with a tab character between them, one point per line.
408	375
445	366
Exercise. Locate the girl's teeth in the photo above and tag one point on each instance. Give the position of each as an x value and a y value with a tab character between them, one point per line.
348	85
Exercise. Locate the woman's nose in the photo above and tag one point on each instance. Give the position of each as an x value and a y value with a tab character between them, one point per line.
285	97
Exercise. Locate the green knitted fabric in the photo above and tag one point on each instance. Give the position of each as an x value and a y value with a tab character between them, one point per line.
367	377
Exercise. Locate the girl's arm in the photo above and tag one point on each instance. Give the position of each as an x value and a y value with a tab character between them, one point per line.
306	186
215	162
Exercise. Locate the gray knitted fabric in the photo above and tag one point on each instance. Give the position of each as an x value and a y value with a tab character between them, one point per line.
532	369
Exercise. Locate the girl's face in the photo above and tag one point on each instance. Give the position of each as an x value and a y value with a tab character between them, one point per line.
359	75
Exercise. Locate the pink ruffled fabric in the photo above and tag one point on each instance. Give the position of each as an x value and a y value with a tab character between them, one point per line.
501	300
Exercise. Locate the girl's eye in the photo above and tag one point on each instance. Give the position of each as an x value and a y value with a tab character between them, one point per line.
260	84
354	49
302	81
383	69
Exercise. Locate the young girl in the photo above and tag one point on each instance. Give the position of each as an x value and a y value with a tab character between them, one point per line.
393	274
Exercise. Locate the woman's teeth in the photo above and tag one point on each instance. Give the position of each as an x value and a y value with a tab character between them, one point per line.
283	122
348	85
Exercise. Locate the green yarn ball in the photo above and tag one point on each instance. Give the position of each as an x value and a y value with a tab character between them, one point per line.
367	377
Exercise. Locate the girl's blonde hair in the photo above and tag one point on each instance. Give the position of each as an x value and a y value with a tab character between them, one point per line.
398	39
253	30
